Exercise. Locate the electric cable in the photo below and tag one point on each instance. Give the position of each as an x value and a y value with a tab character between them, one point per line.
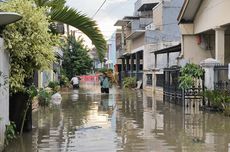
99	9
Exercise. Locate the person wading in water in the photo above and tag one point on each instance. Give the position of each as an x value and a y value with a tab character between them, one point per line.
75	82
104	82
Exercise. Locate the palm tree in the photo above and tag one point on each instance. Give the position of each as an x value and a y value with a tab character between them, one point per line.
61	13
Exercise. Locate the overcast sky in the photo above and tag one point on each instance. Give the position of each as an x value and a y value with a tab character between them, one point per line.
111	11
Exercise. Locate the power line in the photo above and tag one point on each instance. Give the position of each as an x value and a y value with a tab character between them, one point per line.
99	9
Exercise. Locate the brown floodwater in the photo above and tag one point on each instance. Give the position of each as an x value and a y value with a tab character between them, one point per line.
123	121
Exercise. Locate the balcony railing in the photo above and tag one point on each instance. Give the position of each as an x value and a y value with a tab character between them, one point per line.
140	24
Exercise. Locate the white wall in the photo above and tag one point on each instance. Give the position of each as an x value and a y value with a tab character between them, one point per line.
192	52
4	92
212	14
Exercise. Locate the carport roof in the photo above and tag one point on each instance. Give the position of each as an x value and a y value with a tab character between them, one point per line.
172	49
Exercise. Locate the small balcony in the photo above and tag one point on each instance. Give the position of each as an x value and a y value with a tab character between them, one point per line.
138	27
145	5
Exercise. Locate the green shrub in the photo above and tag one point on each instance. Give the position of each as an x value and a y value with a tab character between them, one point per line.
44	97
54	85
32	92
10	133
219	99
29	42
104	70
189	74
129	82
226	110
64	81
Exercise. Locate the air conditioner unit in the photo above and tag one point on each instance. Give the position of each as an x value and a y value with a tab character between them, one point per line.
150	27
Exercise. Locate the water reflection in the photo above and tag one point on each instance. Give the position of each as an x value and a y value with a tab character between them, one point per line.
75	95
123	121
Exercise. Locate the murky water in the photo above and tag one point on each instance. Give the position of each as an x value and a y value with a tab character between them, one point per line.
129	121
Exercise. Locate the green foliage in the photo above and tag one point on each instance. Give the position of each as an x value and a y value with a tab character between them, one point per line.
192	69
186	82
219	99
105	70
64	81
10	133
189	73
64	14
32	92
85	24
50	3
29	41
215	97
109	72
129	82
76	60
54	85
44	98
226	109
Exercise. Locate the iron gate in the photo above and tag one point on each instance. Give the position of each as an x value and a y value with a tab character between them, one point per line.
172	93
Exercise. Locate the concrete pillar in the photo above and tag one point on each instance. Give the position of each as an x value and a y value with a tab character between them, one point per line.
167	60
122	68
208	66
132	64
4	91
155	65
123	64
220	44
127	64
137	64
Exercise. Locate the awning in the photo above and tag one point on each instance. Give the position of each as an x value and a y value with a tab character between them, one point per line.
147	7
172	49
125	20
121	22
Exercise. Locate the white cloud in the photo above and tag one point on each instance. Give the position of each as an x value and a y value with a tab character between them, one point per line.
109	13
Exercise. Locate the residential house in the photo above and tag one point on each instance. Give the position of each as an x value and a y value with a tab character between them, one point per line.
96	62
205	32
42	78
153	27
111	54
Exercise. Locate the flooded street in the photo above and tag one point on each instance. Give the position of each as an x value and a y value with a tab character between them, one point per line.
129	121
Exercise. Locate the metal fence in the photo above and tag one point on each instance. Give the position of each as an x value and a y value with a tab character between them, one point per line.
171	90
221	81
192	97
149	81
159	80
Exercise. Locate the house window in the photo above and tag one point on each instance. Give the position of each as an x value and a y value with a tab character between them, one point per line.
159	80
149	79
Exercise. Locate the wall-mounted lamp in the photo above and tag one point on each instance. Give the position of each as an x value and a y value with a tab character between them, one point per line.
8	18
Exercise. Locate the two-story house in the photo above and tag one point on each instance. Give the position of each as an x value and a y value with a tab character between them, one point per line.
153	27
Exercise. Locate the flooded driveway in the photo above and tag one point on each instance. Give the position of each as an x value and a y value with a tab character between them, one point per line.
124	120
